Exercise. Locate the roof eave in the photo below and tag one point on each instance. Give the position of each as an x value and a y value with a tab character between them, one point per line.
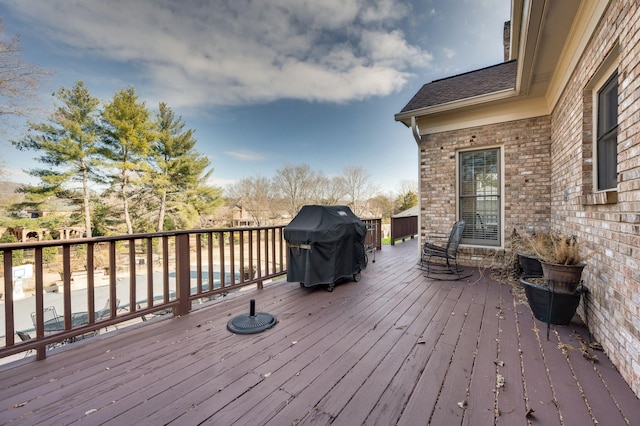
405	117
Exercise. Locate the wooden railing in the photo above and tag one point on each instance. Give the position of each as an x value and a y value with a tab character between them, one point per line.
134	277
144	273
373	238
403	227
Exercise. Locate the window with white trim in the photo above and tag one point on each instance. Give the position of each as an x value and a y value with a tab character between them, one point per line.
607	135
479	187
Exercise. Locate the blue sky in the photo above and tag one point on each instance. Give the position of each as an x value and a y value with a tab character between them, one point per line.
264	83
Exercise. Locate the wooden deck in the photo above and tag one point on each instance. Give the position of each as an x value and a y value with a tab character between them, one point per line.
394	348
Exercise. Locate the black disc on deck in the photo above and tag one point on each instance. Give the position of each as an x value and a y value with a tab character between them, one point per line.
248	324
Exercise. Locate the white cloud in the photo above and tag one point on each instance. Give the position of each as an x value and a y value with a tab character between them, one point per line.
449	53
234	52
246	155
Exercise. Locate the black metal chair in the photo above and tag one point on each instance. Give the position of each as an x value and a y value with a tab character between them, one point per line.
24	337
52	322
105	312
439	260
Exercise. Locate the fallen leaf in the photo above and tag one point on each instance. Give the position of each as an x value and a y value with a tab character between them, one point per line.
93	410
499	381
21	404
265	375
462	404
590	356
529	413
499	363
596	346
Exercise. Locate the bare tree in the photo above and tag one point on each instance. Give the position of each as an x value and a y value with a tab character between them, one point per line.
405	186
356	186
381	206
327	191
254	195
19	80
296	185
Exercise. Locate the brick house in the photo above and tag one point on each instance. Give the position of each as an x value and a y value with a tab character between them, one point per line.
548	140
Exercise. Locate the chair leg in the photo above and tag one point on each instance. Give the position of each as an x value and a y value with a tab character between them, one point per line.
448	267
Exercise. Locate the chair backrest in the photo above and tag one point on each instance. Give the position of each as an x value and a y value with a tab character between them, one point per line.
23	336
455	237
51	315
106	311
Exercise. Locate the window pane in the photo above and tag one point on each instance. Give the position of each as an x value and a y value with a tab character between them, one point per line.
606	149
479	202
608	161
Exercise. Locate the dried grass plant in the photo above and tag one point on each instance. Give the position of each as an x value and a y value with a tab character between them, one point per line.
556	248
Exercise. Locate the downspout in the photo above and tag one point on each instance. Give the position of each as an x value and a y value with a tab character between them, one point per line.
416	135
415	130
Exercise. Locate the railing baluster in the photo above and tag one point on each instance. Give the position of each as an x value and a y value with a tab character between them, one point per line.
112	271
66	296
273	252
222	259
40	350
258	261
198	264
149	274
252	264
8	297
266	251
241	245
183	274
210	260
232	258
132	279
91	309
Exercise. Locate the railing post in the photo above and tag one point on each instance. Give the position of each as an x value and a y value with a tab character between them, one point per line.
183	274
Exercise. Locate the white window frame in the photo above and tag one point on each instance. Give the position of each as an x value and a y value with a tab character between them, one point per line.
610	66
500	230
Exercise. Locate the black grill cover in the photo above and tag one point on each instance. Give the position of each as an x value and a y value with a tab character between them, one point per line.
326	243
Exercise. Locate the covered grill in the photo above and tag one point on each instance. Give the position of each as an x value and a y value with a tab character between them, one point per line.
326	244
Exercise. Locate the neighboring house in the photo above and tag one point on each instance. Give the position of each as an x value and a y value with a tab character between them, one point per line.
549	140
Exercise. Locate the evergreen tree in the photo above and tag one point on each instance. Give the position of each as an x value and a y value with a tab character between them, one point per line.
127	136
68	143
179	174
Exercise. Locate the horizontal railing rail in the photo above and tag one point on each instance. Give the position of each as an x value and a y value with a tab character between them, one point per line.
150	273
403	227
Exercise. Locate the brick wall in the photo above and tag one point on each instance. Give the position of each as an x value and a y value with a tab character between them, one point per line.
526	171
608	228
548	185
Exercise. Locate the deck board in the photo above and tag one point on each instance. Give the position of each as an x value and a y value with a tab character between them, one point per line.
394	348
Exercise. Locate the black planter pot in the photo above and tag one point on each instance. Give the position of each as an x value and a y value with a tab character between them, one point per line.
530	264
550	306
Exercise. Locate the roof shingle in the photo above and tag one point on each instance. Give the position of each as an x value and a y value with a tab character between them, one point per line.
463	86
